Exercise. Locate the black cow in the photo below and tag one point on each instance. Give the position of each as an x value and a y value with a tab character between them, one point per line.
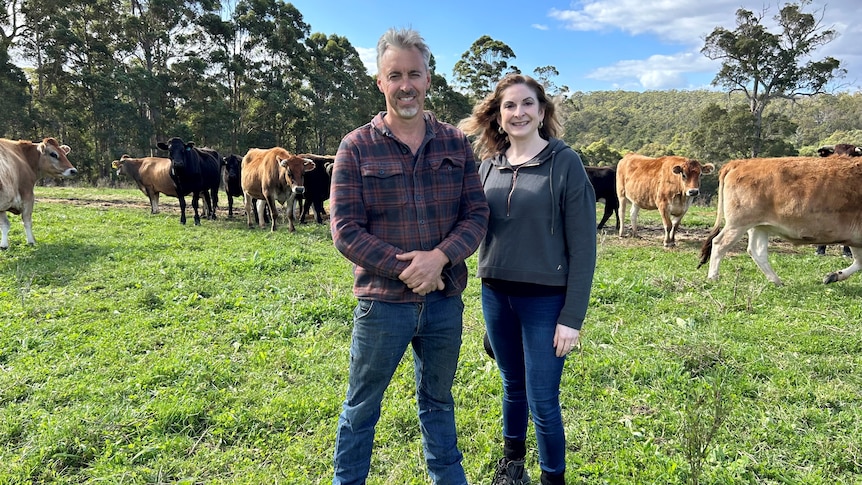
840	149
231	173
316	186
194	171
604	180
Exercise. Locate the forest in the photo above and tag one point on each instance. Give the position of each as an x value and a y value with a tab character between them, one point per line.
254	74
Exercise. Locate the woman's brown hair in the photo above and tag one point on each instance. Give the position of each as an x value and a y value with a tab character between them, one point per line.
482	124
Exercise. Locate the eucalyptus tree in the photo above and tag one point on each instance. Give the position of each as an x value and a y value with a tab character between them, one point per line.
446	103
75	71
481	66
337	95
13	82
546	75
274	61
765	66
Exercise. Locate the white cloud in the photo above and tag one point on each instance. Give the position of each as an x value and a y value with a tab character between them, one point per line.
369	58
676	21
540	27
657	72
687	22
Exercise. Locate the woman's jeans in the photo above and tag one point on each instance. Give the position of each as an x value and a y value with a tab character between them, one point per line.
521	331
381	333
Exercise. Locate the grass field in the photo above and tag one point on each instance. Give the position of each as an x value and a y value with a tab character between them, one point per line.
135	350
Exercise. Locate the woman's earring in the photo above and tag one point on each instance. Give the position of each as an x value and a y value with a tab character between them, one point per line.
541	124
500	130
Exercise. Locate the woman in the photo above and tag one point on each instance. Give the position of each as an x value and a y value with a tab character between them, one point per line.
536	264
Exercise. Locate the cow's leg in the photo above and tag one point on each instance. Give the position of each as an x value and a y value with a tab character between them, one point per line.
214	197
607	215
250	214
758	249
208	205
670	236
196	207
845	273
229	206
27	218
633	214
318	211
153	197
622	210
290	213
722	242
273	211
4	229
182	209
262	212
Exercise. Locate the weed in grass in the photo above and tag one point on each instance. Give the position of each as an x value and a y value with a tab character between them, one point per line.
704	414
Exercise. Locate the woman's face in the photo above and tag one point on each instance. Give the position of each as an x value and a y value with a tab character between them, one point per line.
520	111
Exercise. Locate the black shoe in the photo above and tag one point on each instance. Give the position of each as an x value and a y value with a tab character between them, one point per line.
510	472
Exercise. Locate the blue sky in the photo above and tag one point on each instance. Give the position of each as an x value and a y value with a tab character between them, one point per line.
596	45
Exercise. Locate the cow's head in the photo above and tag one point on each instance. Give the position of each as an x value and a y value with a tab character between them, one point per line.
233	166
826	150
295	168
178	151
690	172
53	161
118	164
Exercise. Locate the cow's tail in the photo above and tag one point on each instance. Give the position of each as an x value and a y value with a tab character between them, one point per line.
706	249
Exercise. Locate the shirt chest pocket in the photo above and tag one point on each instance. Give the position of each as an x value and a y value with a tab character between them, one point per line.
384	184
448	180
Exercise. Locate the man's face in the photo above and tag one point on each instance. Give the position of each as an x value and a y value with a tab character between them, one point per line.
403	80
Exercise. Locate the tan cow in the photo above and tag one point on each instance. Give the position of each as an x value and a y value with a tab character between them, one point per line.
151	174
668	184
22	163
272	175
799	199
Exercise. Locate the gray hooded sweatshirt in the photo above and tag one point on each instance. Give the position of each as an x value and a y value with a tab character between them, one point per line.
542	228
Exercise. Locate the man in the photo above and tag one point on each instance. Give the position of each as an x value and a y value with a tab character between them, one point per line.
407	208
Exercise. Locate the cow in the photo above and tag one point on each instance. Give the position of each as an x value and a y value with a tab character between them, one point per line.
604	180
194	171
845	149
316	186
231	179
838	150
798	199
272	175
667	183
22	164
152	175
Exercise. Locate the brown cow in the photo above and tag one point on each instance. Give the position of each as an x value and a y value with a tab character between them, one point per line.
22	163
272	175
668	184
151	174
799	199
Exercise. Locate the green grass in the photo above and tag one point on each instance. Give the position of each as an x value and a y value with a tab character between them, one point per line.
136	350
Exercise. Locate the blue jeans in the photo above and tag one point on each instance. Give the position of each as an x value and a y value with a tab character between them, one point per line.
521	331
381	333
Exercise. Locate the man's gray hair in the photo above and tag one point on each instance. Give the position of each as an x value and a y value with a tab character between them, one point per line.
403	39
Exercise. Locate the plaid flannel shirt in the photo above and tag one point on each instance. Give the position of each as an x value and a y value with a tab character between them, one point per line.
386	201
